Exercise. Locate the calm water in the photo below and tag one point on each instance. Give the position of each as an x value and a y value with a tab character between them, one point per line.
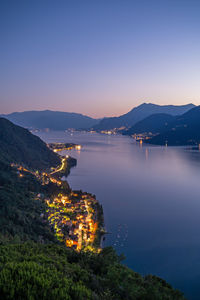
151	202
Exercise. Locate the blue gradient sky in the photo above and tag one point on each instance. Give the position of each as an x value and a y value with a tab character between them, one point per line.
98	57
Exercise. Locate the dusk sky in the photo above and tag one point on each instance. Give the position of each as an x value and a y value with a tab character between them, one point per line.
98	57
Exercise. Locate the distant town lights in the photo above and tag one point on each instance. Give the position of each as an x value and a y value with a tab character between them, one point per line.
78	147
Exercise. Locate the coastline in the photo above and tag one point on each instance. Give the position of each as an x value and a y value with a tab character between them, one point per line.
75	216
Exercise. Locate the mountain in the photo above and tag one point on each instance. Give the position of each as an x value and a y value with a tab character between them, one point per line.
139	113
184	130
54	120
152	124
20	146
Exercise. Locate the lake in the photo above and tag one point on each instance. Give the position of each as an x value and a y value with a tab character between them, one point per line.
151	201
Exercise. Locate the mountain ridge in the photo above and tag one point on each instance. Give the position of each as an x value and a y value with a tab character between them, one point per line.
58	120
184	130
54	120
140	112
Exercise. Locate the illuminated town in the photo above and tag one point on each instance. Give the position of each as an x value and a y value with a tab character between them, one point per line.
56	147
75	217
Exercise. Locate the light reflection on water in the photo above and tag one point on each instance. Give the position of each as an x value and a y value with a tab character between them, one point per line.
151	201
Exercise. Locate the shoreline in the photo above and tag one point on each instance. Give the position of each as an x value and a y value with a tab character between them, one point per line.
76	217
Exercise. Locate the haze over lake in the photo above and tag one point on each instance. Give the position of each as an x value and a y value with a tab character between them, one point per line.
151	201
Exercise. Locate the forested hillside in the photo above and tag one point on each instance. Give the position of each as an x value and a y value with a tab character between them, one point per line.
20	146
49	272
20	210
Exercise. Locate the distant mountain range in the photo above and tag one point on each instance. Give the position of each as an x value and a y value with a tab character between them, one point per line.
54	120
139	113
18	145
175	125
183	130
153	124
178	130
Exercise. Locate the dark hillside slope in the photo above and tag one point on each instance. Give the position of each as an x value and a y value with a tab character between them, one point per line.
185	130
20	211
154	124
20	146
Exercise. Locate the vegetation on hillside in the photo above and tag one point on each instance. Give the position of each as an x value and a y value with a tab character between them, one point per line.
34	271
20	210
19	145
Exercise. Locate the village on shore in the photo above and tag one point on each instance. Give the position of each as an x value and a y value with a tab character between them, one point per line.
76	217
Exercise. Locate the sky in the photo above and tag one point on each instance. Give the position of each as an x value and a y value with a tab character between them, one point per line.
98	57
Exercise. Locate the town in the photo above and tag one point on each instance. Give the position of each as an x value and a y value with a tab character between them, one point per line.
76	217
56	147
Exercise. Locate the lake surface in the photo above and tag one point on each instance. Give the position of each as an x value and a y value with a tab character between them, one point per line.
151	201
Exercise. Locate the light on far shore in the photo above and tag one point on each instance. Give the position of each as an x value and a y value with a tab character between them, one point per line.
78	147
